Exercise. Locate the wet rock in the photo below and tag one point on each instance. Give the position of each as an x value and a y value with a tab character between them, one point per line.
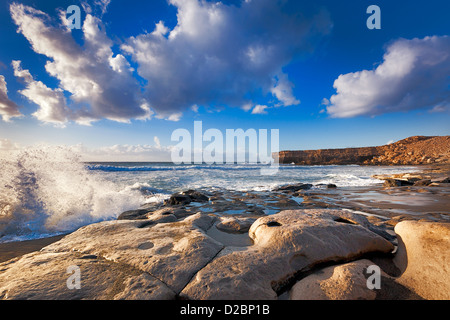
294	187
422	183
397	183
441	180
331	186
133	214
196	196
178	199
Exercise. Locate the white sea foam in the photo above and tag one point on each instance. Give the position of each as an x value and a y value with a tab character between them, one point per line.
46	190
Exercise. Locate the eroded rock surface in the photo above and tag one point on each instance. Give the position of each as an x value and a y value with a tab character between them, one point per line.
284	244
423	255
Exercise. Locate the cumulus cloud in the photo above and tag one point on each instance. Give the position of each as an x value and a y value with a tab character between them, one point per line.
216	55
414	74
8	109
97	80
51	102
219	54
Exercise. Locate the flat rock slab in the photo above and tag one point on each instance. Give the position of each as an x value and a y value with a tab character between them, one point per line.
285	244
44	275
171	252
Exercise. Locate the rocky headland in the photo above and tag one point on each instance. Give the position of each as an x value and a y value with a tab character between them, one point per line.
415	150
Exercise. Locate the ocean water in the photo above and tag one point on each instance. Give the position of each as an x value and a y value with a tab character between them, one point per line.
46	190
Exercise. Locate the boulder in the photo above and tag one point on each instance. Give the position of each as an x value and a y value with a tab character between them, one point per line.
423	256
235	225
196	196
285	244
294	187
178	199
397	183
342	282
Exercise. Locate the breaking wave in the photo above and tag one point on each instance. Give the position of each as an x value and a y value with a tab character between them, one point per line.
47	190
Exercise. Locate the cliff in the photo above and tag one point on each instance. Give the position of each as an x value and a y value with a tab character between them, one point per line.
410	151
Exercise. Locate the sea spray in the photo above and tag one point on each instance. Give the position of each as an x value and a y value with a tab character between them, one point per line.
46	190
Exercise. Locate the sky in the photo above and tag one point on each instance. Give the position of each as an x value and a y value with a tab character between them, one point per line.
136	71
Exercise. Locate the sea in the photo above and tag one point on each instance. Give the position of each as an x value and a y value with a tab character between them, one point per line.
49	190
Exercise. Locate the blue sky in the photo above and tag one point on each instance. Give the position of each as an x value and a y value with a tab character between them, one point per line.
151	67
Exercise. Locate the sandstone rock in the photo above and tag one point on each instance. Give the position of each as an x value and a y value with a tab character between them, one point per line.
286	243
44	275
171	252
423	255
341	282
412	150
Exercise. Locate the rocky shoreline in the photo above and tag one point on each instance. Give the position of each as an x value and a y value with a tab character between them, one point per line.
297	242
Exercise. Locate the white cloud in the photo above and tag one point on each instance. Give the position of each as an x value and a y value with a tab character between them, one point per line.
282	89
125	153
157	142
51	102
194	108
442	107
175	117
413	75
99	81
218	54
259	109
8	108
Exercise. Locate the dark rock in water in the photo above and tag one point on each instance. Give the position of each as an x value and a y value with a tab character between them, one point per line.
295	187
441	180
331	186
178	199
397	183
133	214
423	182
196	196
